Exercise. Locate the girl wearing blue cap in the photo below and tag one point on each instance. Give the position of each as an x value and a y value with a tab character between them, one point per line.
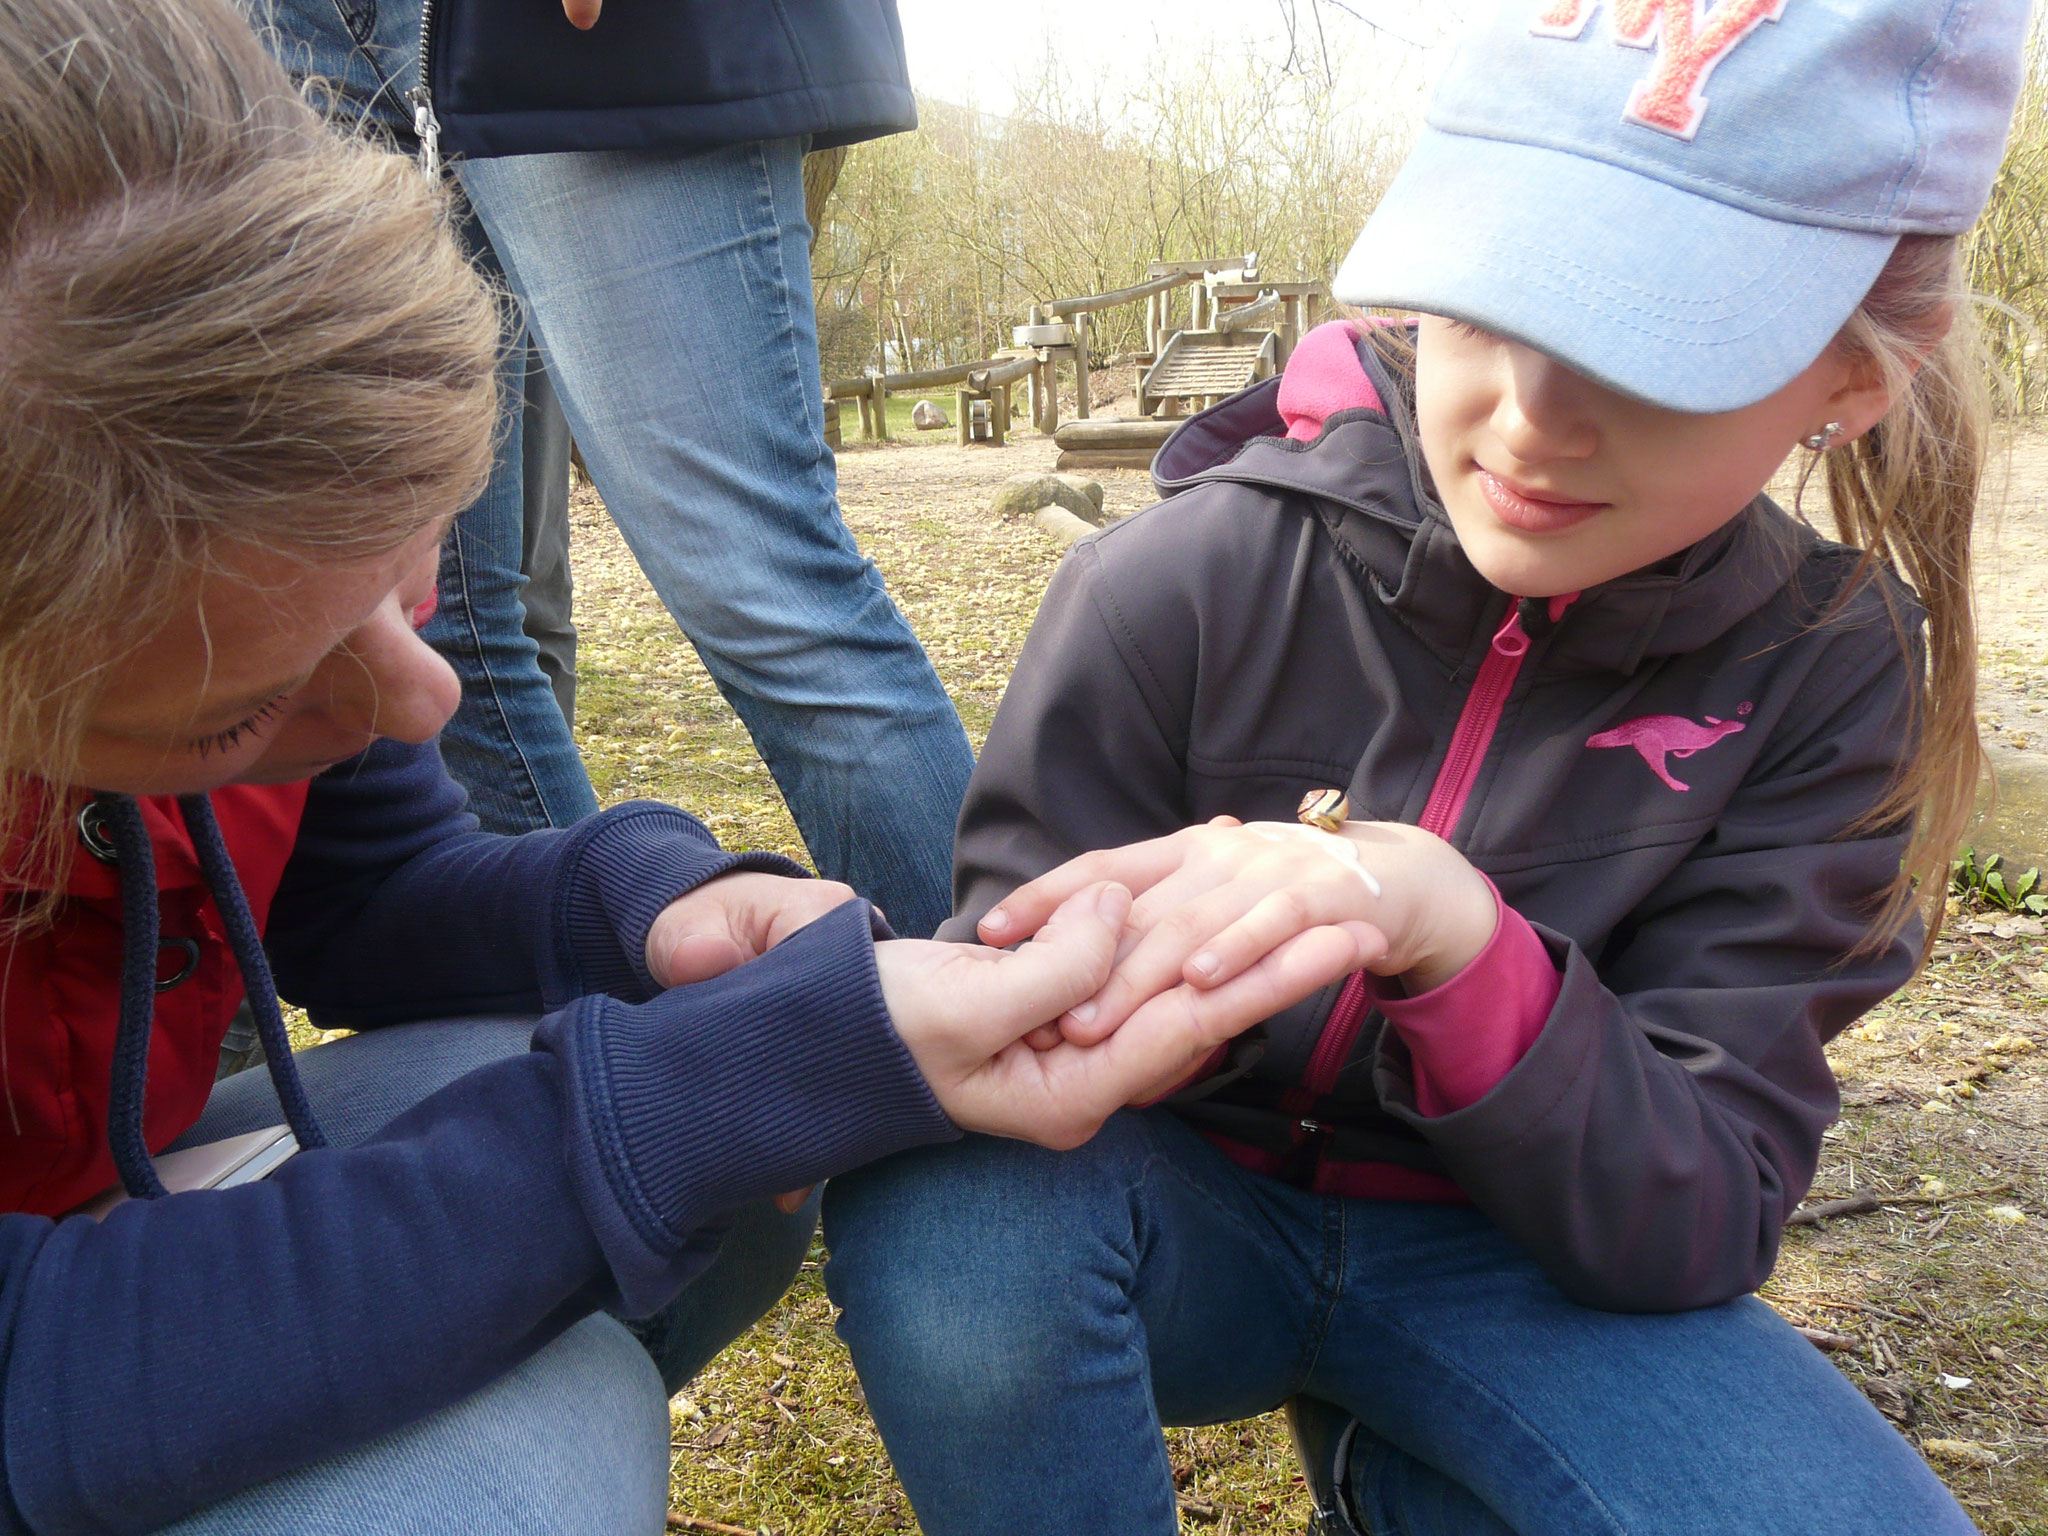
1651	790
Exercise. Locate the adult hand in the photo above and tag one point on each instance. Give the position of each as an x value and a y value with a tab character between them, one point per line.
733	919
582	14
1213	899
964	1013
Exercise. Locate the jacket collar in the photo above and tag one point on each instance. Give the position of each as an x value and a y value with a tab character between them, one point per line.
1371	490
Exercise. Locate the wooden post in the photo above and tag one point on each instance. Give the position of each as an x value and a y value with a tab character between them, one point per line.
1081	366
964	429
999	412
1049	394
1290	328
881	409
867	415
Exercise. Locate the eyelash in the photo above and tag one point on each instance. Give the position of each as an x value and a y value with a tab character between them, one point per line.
229	739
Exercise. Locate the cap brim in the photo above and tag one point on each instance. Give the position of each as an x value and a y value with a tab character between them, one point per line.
1664	295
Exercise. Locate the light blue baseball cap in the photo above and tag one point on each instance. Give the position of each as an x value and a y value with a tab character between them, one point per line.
1686	201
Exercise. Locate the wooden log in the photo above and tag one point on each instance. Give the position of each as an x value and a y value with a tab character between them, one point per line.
879	392
999	414
1105	458
867	416
847	389
1088	303
991	375
833	438
1248	316
962	420
1113	432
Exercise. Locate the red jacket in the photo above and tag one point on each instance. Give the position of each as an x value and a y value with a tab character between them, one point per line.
60	998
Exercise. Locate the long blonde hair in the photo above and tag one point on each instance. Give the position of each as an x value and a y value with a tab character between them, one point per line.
1906	493
221	325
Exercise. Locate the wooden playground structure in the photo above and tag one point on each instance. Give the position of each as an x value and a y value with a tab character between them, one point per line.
1240	328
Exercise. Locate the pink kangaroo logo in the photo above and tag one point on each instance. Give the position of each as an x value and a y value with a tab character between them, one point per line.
1659	736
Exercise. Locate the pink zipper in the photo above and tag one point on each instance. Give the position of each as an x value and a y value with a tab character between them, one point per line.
1477	722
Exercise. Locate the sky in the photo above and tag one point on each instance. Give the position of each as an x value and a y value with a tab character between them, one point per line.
972	53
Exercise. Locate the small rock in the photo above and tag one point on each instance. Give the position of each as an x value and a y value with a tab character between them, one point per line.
1966	1452
1022	495
926	415
1062	524
2038	980
1092	489
1954	1383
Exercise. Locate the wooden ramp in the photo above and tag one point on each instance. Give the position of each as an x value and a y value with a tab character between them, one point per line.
1207	365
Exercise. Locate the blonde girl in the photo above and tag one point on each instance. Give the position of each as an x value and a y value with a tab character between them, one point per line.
1648	787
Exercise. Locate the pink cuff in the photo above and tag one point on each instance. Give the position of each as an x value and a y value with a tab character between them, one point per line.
1466	1035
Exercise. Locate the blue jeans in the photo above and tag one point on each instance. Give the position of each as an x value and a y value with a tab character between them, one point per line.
671	297
574	1442
1024	1321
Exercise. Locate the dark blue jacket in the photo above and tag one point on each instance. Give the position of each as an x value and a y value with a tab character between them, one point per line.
186	1347
512	77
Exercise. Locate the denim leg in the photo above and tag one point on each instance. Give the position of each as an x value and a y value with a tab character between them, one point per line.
1022	1319
573	1442
508	744
1496	1405
550	595
671	295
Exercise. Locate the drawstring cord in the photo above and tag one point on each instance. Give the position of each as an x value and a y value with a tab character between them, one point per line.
140	935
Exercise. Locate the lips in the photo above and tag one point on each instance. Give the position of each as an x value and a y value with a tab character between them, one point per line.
1533	511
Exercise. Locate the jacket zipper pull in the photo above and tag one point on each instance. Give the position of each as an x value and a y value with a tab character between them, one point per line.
1511	639
428	127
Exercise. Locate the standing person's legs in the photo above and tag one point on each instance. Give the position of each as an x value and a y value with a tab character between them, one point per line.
672	297
509	743
550	595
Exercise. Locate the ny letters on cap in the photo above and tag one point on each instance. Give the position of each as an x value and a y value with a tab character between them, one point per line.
1687	44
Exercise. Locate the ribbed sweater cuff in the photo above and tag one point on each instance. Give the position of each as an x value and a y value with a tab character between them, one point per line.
634	861
768	1078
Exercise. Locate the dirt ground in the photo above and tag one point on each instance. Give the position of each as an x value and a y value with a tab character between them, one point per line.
1934	1300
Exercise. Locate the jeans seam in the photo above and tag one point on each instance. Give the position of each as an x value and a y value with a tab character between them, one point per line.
1479	1385
527	784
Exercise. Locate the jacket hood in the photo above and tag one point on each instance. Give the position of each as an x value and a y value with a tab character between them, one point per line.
1336	427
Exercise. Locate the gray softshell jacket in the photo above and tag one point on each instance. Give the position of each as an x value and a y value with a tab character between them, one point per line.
1667	793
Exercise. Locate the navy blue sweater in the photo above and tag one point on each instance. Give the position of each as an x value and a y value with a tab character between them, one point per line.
188	1347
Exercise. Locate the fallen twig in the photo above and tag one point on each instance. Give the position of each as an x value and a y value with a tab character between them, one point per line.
1201	1511
678	1522
1862	1203
1833	1343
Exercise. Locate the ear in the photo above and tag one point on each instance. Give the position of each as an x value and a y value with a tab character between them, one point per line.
1862	396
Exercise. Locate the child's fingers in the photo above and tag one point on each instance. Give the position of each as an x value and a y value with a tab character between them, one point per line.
1172	1031
1136	867
1150	963
1270	923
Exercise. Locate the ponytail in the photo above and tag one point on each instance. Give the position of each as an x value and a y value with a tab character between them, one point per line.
1906	494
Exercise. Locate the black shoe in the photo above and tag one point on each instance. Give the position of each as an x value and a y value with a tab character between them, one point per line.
1323	1436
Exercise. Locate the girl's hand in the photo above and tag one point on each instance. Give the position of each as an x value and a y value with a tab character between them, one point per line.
964	1011
1212	900
733	919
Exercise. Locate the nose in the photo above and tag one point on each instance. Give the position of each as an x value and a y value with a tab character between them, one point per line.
1543	410
389	682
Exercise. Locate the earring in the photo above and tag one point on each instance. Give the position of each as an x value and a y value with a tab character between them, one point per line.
1824	438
